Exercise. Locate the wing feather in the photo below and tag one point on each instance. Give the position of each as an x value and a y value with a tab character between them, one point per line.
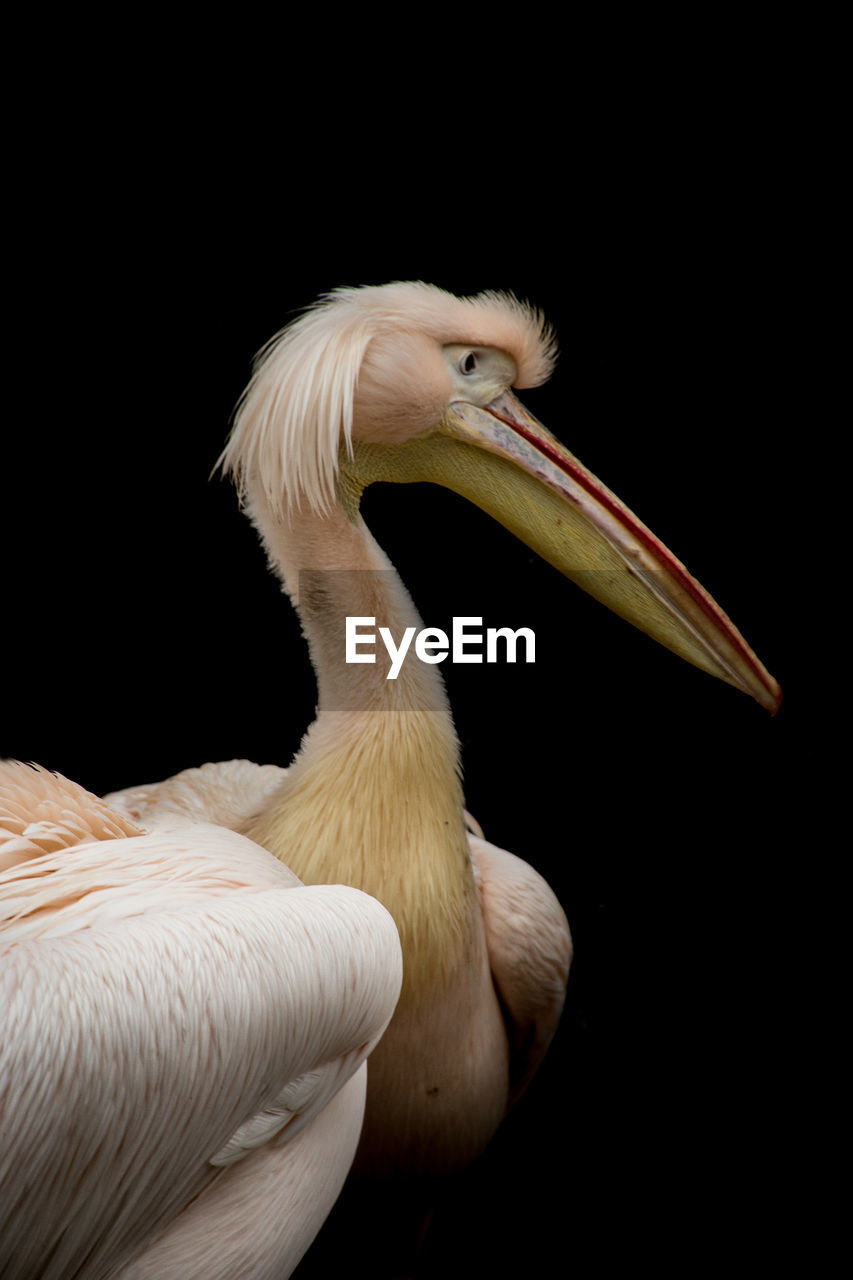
200	991
530	951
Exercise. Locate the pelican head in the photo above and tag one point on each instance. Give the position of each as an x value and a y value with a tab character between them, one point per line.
404	383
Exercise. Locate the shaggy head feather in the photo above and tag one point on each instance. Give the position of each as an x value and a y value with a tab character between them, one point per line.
299	405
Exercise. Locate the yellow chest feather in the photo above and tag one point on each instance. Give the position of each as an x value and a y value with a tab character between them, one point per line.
384	814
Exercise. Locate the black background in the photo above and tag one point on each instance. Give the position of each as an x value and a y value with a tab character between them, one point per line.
143	632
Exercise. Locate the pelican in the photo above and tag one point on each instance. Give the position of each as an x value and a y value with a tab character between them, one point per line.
184	1032
406	383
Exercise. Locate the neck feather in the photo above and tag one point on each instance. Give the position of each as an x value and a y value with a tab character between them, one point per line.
374	797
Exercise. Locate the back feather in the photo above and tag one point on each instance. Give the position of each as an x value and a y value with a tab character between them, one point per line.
43	812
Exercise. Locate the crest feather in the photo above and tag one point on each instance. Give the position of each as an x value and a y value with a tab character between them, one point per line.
298	406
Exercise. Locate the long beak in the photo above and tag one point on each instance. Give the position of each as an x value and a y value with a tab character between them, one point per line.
503	460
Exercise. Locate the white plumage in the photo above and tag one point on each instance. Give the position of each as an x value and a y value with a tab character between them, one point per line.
177	1013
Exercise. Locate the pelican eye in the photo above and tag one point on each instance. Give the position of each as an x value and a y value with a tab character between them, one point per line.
468	363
